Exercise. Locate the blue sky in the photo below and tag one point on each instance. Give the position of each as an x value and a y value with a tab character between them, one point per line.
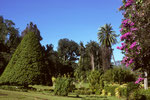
77	20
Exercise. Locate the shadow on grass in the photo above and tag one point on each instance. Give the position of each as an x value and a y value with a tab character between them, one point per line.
3	94
74	96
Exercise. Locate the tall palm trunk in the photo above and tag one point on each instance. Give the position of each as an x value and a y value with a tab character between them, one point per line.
106	58
92	61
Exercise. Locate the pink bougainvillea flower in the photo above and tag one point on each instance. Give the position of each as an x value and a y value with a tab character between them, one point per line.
127	64
131	24
122	47
125	36
133	29
121	29
139	80
118	47
128	3
131	61
138	47
127	22
124	59
132	45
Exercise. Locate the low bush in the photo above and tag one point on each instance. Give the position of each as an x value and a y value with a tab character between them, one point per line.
110	89
135	95
131	87
96	82
63	85
118	75
145	93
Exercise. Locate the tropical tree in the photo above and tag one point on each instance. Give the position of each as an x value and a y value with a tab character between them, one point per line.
92	47
107	38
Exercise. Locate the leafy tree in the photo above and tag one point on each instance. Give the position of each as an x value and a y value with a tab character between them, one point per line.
107	38
9	40
26	66
82	51
92	48
68	50
32	28
52	61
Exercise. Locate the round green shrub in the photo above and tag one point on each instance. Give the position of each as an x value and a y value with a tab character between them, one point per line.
118	75
63	85
96	82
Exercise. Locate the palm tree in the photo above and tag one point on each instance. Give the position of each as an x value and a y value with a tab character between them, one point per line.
92	49
107	38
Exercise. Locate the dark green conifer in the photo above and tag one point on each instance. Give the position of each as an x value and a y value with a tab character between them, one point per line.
27	65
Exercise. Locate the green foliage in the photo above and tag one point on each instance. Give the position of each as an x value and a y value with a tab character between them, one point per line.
63	85
9	40
107	38
106	35
81	71
131	86
119	75
140	94
68	50
96	80
94	53
26	66
110	89
136	96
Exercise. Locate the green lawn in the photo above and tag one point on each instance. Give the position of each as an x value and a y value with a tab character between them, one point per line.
30	95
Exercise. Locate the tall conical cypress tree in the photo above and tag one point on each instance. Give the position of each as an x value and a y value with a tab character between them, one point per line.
26	66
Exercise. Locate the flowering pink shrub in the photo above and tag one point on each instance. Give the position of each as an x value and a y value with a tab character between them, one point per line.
139	80
128	3
125	36
131	45
128	30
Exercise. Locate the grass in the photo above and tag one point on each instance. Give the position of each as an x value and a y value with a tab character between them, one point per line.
31	95
46	93
15	95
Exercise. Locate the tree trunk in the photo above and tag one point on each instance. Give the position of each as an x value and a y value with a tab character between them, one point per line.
106	56
145	81
92	62
114	59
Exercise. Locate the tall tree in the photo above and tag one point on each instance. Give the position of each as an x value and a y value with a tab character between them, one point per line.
81	51
32	28
68	50
136	37
9	40
92	48
27	65
107	38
